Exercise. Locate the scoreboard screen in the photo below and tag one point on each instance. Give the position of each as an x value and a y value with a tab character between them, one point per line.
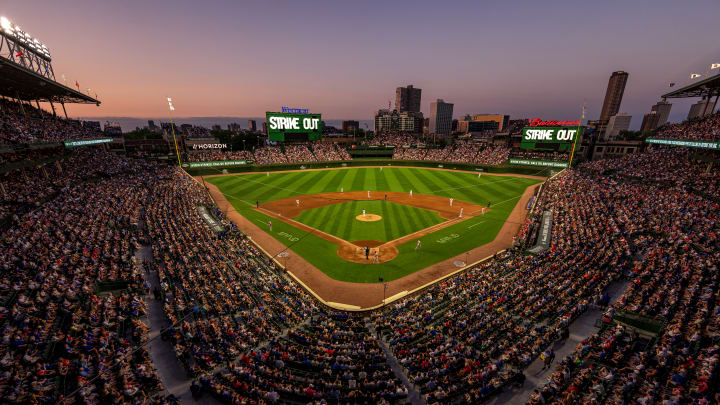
559	139
294	127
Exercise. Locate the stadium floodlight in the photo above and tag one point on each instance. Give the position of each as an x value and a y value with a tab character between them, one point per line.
6	24
715	66
694	76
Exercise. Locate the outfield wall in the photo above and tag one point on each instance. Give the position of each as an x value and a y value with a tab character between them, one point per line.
510	169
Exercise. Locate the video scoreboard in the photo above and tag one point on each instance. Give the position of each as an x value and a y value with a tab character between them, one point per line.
284	126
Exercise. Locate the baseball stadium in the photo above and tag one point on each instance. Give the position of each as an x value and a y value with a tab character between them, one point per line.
277	255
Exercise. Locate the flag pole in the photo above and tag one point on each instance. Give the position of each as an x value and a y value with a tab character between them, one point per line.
582	117
172	129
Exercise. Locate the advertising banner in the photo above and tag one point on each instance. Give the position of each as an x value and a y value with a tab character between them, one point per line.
86	142
218	163
538	163
688	144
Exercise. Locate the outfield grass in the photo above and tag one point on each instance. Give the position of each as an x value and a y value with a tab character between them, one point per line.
503	191
397	220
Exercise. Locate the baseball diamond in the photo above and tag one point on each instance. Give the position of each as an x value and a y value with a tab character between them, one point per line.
318	208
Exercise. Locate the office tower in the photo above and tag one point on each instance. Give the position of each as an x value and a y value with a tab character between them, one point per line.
252	125
650	121
700	109
662	108
440	117
613	95
407	99
617	123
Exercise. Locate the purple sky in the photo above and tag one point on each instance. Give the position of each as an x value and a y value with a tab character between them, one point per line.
344	60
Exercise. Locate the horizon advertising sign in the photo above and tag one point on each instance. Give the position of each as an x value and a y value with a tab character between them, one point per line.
292	126
559	138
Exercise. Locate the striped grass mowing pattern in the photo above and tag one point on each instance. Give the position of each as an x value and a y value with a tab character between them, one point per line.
397	220
503	191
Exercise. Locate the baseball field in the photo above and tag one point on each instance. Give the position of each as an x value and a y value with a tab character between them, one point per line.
359	224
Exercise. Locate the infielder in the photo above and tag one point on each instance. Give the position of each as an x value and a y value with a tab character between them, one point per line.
451	200
418	245
297	203
270	225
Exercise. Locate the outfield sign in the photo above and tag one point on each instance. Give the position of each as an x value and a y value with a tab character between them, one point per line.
86	142
291	125
203	146
538	163
218	163
689	144
550	138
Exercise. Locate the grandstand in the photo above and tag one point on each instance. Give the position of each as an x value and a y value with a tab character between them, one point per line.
124	281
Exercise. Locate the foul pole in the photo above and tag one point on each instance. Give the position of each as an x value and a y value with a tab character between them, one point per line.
577	135
172	129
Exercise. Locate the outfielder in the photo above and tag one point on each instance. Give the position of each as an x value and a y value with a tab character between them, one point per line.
418	245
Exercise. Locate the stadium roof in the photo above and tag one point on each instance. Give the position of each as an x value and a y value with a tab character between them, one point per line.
708	86
20	83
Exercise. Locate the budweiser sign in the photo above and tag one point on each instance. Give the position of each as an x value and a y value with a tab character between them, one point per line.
537	122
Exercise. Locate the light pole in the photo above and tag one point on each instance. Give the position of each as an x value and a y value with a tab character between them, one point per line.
172	129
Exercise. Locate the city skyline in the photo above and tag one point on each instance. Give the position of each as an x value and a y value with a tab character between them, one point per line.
135	54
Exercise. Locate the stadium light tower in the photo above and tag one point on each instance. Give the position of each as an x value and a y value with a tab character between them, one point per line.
172	129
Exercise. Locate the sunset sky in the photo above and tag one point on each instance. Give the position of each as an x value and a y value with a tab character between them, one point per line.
344	59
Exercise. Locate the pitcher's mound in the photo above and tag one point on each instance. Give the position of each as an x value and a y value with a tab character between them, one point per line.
368	217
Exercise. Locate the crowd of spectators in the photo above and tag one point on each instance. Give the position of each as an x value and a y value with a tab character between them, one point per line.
299	153
698	129
27	124
217	290
394	139
459	152
325	151
674	284
250	334
61	338
268	155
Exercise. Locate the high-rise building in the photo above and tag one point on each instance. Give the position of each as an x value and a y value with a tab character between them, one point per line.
350	126
700	109
662	108
502	120
252	125
216	127
234	127
398	121
613	95
440	117
650	121
617	123
407	99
